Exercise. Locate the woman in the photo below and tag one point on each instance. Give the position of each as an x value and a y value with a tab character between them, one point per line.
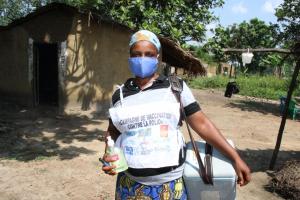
145	122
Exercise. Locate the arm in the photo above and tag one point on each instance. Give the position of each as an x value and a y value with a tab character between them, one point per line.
112	130
206	129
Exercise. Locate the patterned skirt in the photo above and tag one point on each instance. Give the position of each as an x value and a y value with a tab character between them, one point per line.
128	189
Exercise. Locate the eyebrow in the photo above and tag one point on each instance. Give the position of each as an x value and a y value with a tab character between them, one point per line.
143	52
147	51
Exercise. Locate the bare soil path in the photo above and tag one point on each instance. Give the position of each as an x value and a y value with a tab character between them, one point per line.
47	156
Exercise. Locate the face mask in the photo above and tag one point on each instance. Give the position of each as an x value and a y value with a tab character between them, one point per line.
143	66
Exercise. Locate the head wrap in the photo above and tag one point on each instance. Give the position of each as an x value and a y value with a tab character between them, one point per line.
147	36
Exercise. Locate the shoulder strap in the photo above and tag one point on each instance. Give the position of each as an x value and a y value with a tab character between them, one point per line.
175	84
208	162
205	172
177	87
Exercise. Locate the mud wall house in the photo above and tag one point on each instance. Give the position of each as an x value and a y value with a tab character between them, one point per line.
224	68
59	56
66	58
221	68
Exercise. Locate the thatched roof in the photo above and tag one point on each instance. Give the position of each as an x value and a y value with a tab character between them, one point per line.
172	53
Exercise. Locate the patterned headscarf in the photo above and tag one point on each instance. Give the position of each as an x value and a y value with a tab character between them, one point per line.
145	35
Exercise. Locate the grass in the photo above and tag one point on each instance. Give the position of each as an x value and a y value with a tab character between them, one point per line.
39	158
268	87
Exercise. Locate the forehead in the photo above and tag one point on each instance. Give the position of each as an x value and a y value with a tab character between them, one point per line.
143	45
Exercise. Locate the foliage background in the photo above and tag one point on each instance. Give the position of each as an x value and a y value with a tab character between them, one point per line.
268	87
180	20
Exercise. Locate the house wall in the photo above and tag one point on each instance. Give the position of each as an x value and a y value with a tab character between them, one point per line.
15	76
14	84
223	69
96	58
97	61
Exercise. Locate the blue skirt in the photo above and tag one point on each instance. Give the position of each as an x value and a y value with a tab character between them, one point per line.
128	189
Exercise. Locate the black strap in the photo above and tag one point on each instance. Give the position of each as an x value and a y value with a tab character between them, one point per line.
205	171
208	162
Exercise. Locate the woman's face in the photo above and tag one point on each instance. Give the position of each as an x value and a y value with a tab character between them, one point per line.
143	49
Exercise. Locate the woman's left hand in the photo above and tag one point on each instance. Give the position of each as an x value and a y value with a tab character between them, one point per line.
242	171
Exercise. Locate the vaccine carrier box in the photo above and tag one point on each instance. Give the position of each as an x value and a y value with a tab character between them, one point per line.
224	176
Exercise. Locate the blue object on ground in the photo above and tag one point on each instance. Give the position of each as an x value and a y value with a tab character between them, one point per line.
293	109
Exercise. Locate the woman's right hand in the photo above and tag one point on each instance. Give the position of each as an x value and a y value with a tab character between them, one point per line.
109	169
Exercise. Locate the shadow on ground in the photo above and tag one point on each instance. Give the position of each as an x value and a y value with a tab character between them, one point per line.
255	106
259	160
27	135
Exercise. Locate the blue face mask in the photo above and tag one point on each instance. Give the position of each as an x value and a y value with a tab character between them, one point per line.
143	66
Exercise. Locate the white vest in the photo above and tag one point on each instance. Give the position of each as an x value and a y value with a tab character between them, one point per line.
149	125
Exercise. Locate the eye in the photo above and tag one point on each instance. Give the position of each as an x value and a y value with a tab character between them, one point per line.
150	54
135	54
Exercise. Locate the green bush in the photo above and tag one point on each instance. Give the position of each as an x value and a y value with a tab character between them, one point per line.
205	82
269	87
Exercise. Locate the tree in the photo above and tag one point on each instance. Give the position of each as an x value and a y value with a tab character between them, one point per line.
202	54
14	9
277	63
179	19
252	34
288	13
11	9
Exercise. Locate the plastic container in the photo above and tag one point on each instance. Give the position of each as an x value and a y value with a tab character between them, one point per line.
247	57
120	163
224	176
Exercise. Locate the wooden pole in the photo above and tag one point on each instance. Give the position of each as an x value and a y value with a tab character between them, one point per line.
230	74
285	113
232	50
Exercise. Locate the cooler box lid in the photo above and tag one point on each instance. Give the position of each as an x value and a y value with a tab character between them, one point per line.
222	167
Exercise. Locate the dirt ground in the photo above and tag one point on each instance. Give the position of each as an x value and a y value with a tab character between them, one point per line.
48	156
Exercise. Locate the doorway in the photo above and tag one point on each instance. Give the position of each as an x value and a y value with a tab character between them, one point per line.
46	74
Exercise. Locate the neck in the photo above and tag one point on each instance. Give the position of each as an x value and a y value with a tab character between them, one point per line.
143	82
